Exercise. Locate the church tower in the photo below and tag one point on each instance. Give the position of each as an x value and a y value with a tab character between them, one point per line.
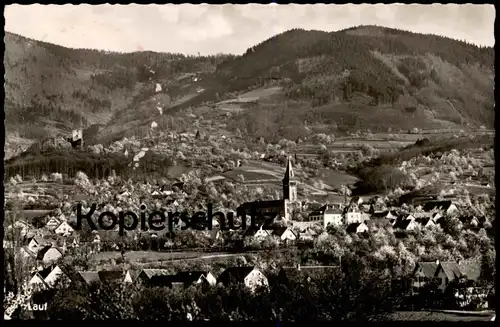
289	184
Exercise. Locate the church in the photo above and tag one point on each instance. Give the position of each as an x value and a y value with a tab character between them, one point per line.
281	208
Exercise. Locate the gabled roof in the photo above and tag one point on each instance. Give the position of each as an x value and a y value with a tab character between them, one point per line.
38	239
429	269
149	273
440	205
89	277
281	230
42	251
402	224
40	280
251	231
45	272
352	228
423	221
304	225
235	274
190	277
111	275
453	269
309	232
133	273
472	269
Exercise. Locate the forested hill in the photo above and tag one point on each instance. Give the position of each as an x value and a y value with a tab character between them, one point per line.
365	77
50	88
373	66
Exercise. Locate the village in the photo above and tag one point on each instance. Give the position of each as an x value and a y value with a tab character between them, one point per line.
44	247
354	186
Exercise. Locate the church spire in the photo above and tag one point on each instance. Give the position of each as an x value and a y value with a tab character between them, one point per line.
289	174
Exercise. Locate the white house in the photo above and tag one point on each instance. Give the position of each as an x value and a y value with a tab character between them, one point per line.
288	235
64	229
36	243
333	216
405	224
444	207
209	278
37	283
49	254
130	276
251	277
53	223
327	214
258	233
57	277
285	234
195	277
357	228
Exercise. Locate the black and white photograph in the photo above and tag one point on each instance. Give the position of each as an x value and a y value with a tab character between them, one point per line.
249	162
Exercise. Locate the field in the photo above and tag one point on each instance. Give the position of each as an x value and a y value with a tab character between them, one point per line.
454	316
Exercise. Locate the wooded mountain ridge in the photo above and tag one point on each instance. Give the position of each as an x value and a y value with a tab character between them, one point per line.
365	77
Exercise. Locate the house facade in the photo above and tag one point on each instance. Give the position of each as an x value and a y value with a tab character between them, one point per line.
352	214
255	279
64	229
49	255
327	215
442	273
53	223
37	283
57	278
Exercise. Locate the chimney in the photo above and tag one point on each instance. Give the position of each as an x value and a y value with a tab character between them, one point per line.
298	266
437	262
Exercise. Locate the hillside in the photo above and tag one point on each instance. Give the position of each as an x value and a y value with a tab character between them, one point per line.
361	78
367	78
51	89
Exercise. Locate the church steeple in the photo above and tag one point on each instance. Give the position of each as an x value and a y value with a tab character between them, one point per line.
289	174
289	183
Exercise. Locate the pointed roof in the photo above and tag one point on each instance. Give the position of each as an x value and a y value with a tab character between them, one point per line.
428	268
235	274
289	173
89	277
110	275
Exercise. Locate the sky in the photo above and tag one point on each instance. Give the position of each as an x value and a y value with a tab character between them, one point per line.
211	29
